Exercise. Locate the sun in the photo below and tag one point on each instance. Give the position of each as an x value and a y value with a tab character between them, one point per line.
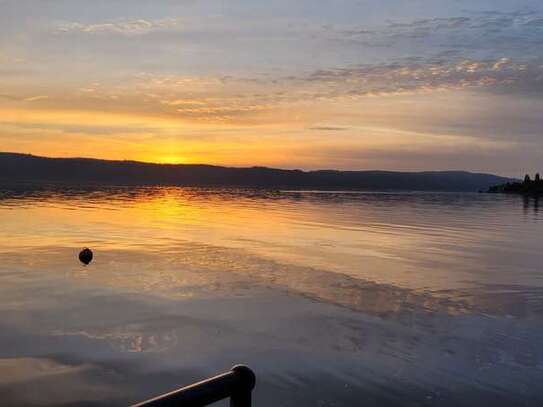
172	159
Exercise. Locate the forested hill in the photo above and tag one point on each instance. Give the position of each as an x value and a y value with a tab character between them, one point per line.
29	168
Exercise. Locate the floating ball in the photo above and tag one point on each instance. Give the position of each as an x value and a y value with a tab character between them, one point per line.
85	256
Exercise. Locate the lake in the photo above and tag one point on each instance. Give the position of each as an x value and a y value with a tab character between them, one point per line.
333	298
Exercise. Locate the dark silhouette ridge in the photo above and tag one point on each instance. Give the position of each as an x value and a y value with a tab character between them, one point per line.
16	168
527	187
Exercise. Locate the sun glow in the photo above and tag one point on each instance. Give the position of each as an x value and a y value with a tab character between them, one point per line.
171	159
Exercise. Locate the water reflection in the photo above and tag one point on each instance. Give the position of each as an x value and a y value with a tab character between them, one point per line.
531	203
418	298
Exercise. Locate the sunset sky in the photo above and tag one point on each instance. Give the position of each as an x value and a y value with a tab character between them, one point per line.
347	84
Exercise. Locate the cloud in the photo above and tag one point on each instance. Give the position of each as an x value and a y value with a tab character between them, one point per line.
408	77
126	27
263	100
534	23
516	33
403	77
328	128
433	23
250	99
35	98
24	99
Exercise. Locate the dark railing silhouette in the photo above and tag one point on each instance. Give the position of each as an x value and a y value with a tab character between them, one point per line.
237	384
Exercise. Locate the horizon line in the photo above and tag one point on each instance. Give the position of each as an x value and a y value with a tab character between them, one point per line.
250	167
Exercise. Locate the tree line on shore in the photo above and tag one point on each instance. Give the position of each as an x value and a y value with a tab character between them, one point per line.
528	186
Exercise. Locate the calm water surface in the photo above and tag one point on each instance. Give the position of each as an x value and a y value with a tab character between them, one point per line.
335	299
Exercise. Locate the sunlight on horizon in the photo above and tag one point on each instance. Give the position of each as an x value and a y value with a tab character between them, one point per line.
308	87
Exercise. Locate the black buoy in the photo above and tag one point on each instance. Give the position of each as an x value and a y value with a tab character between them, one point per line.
86	256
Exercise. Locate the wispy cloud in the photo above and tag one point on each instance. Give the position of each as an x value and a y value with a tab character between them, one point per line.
126	27
491	33
328	128
35	98
24	99
407	77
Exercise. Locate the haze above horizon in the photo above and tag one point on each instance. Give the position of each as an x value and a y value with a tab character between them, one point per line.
395	85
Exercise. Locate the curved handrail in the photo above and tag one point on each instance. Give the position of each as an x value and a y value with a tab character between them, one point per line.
237	384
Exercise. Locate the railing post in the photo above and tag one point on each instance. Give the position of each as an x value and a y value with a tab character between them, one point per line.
242	397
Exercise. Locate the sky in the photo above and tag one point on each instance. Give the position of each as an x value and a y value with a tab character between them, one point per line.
348	84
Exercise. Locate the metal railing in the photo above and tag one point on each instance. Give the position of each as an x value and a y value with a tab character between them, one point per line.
237	384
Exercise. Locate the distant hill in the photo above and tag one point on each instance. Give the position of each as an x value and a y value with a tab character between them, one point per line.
28	168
